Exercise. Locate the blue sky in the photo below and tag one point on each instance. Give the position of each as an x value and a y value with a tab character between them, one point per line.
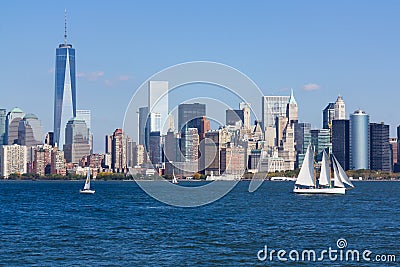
318	48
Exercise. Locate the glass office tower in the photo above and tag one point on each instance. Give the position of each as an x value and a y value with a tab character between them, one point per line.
359	140
65	91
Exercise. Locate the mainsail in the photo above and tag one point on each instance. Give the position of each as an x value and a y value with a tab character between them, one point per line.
306	175
324	178
342	174
87	183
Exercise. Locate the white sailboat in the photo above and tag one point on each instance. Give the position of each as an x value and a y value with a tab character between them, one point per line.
307	184
86	188
174	180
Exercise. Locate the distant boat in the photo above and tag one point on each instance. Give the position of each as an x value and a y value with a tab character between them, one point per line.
86	188
174	180
306	182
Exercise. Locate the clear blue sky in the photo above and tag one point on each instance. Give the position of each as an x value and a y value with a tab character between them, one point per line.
335	47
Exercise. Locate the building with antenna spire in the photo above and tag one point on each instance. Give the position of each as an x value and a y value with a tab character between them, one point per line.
65	88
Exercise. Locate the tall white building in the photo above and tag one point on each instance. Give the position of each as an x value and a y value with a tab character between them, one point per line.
158	101
13	159
340	109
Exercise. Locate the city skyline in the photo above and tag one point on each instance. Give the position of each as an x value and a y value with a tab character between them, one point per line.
342	52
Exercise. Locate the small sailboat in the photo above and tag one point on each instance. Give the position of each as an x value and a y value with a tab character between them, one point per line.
306	182
86	188
174	180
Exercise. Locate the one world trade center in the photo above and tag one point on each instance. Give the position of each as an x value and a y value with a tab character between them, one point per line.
65	89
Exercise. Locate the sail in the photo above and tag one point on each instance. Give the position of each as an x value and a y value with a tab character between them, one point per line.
306	175
342	174
336	176
324	178
87	183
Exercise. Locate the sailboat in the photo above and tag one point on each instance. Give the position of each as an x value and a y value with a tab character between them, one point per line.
174	180
86	188
306	182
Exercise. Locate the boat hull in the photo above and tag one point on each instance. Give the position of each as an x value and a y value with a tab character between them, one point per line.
87	191
335	190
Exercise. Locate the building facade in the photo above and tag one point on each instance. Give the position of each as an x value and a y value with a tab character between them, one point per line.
13	159
359	140
190	115
341	142
76	140
65	90
379	147
3	118
12	124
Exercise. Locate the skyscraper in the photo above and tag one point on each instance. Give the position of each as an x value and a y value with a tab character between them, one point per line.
302	138
321	140
341	142
158	103
327	116
12	124
340	109
65	89
379	147
118	155
30	131
273	107
232	116
76	140
245	107
143	113
189	116
13	159
3	118
359	140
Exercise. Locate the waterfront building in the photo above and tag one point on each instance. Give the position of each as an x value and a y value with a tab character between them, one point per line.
13	159
76	140
118	151
215	141
190	115
108	144
359	140
12	124
42	159
3	118
190	145
57	162
233	160
379	147
393	151
65	89
340	109
341	142
30	131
